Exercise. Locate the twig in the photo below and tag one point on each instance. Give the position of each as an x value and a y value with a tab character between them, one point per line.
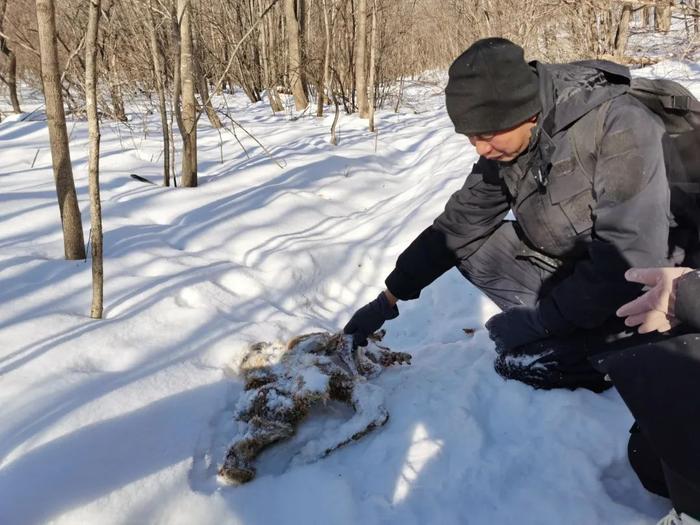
295	118
267	151
26	116
71	57
72	129
221	145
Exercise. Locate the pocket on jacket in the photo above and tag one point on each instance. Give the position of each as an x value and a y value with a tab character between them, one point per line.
571	191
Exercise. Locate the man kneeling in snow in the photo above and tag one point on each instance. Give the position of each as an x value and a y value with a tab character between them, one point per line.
557	270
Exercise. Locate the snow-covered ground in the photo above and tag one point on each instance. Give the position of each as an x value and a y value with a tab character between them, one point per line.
123	420
681	42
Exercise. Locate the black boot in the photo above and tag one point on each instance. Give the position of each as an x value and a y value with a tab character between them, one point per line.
552	363
563	362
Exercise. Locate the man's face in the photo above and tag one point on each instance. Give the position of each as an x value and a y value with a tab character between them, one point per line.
505	145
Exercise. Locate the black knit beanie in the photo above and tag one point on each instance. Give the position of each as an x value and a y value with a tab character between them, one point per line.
491	88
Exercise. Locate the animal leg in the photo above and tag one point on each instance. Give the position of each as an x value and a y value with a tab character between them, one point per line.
238	464
370	413
383	356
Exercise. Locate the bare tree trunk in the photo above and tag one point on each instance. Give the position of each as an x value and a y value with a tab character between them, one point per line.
372	66
203	89
663	15
399	96
296	74
608	31
115	89
177	84
94	158
647	12
11	63
159	76
336	115
303	16
275	101
623	30
322	93
360	62
189	107
73	241
171	138
265	57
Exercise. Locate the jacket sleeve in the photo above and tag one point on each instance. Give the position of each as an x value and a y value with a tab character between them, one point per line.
471	215
687	307
631	220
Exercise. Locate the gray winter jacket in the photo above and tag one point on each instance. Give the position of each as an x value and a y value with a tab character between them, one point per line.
599	224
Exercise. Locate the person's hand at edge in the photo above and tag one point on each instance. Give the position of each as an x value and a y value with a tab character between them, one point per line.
653	310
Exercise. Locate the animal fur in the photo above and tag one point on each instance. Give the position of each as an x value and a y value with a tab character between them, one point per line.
282	383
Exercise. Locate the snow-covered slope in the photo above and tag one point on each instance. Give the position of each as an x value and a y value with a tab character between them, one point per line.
118	421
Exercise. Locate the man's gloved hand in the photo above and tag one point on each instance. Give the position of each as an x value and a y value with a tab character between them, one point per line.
369	319
515	327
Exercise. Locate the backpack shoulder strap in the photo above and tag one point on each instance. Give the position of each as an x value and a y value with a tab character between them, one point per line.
585	137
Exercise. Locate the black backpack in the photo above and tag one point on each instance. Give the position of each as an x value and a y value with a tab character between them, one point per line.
679	111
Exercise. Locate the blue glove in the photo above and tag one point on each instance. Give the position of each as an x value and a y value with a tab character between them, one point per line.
517	326
369	319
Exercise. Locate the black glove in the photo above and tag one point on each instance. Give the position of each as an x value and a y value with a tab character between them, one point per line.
369	319
515	327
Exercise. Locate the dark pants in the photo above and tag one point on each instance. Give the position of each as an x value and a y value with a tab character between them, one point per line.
661	479
659	384
511	274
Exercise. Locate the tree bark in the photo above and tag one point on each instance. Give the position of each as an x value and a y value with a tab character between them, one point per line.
189	107
623	30
11	63
115	90
177	85
275	101
94	158
296	74
360	62
336	115
372	66
203	88
73	240
322	92
109	60
175	58
159	75
663	15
